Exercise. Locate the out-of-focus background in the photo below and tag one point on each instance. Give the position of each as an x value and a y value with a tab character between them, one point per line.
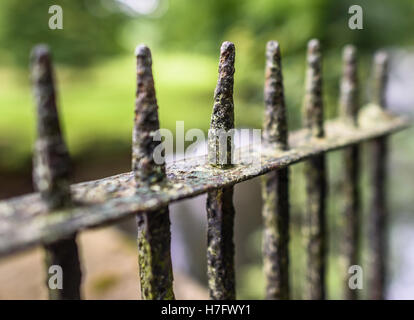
95	68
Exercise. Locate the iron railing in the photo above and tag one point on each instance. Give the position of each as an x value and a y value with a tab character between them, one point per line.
58	211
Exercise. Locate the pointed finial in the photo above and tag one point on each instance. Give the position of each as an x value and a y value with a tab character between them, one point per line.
348	101
220	144
146	123
380	80
313	103
275	124
51	162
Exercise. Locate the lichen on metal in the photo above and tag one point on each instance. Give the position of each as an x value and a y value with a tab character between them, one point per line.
275	187
315	175
220	209
51	172
154	235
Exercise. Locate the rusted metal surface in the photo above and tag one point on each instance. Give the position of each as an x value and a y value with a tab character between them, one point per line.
51	171
379	205
349	106
24	221
154	235
275	188
220	209
315	175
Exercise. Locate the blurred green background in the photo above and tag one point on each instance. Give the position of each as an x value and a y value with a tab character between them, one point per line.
95	69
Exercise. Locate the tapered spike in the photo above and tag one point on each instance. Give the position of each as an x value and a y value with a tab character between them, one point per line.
146	124
51	161
275	187
220	209
51	170
154	235
349	104
275	123
220	144
381	61
315	172
313	102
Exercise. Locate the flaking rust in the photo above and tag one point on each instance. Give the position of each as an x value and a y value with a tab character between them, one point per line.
154	235
220	209
275	187
51	171
315	174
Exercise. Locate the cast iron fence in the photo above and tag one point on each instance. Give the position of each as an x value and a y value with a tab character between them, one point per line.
54	215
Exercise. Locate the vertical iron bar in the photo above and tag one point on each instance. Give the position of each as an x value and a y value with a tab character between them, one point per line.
154	235
51	171
220	209
275	187
349	107
315	173
379	206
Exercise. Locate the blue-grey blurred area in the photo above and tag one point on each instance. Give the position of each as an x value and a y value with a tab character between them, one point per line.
95	72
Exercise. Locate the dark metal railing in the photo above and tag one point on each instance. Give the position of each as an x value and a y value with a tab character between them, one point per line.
57	212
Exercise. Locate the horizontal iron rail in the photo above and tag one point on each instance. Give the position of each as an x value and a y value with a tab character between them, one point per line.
26	222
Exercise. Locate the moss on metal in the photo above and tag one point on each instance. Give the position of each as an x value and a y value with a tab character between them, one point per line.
315	173
220	209
154	236
275	187
51	171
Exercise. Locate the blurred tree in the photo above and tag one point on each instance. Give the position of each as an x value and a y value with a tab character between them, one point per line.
89	30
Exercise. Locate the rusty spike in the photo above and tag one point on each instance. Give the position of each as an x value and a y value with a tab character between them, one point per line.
315	174
154	235
275	185
220	144
146	123
51	170
381	61
275	123
313	102
220	209
348	102
51	161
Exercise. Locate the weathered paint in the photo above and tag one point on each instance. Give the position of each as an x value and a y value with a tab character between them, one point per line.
220	209
154	235
315	173
51	171
275	187
349	106
379	206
